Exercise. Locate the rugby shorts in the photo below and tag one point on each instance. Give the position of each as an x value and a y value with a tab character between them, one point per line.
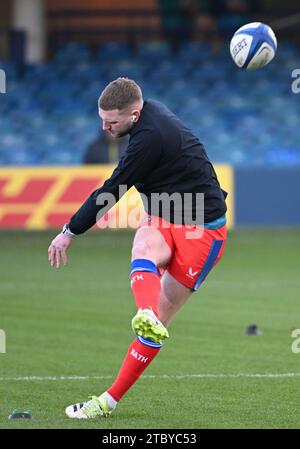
195	250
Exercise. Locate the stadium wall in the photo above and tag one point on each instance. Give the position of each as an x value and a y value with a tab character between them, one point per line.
267	197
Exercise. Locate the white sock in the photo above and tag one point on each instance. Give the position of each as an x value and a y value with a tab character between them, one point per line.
111	402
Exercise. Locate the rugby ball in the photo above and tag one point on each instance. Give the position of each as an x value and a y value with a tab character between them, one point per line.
253	46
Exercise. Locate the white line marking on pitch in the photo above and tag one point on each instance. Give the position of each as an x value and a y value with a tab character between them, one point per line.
157	376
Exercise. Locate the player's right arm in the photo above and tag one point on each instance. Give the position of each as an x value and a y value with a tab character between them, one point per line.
142	154
57	251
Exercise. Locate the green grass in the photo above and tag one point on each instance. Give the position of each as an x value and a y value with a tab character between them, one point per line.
76	322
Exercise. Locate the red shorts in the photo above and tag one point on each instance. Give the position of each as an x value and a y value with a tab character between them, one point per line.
195	250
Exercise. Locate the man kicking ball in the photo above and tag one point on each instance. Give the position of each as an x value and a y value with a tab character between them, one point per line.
173	249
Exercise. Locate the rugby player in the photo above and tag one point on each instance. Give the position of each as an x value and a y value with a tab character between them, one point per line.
174	248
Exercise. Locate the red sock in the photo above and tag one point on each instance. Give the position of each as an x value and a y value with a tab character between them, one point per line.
138	357
146	288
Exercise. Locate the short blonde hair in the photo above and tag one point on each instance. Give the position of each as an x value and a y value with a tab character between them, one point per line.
120	94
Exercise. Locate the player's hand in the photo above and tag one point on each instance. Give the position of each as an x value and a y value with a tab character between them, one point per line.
57	250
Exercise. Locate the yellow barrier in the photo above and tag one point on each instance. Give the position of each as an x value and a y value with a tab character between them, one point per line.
45	197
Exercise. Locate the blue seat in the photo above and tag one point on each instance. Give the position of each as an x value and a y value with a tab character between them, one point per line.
72	52
153	51
113	51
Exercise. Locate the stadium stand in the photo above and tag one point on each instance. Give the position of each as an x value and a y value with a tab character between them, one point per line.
49	113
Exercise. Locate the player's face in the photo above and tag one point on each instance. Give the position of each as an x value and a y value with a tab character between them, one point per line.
117	123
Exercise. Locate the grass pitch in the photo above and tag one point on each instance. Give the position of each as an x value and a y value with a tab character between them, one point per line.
67	332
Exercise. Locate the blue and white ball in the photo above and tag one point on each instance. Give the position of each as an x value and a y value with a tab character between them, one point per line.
253	45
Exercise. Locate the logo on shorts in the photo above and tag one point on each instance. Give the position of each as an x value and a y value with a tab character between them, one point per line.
192	273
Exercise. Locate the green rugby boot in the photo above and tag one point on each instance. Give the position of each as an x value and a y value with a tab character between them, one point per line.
91	409
146	324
